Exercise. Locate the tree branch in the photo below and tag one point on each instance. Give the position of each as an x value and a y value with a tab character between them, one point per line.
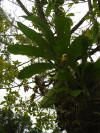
40	10
91	10
13	87
90	5
79	23
24	8
94	50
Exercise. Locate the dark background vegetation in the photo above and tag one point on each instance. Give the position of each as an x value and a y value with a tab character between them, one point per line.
61	72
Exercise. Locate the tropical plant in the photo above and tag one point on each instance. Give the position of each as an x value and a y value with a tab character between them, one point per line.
65	75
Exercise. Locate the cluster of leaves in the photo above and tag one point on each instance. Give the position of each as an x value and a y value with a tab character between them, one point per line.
43	119
4	22
8	72
14	122
64	61
60	54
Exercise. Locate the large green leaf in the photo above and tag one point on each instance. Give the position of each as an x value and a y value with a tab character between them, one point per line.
79	47
43	26
48	9
75	93
33	69
78	50
62	27
27	50
95	29
33	35
37	38
92	71
75	48
97	63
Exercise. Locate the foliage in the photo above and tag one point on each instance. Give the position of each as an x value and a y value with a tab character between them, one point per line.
66	78
8	72
4	21
14	122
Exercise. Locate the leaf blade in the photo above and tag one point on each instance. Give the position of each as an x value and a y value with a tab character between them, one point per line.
26	50
79	47
33	69
37	38
43	26
62	27
33	35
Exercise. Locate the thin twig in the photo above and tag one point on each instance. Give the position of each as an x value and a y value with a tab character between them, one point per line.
24	8
7	35
79	23
17	85
95	50
26	62
40	11
91	10
13	3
